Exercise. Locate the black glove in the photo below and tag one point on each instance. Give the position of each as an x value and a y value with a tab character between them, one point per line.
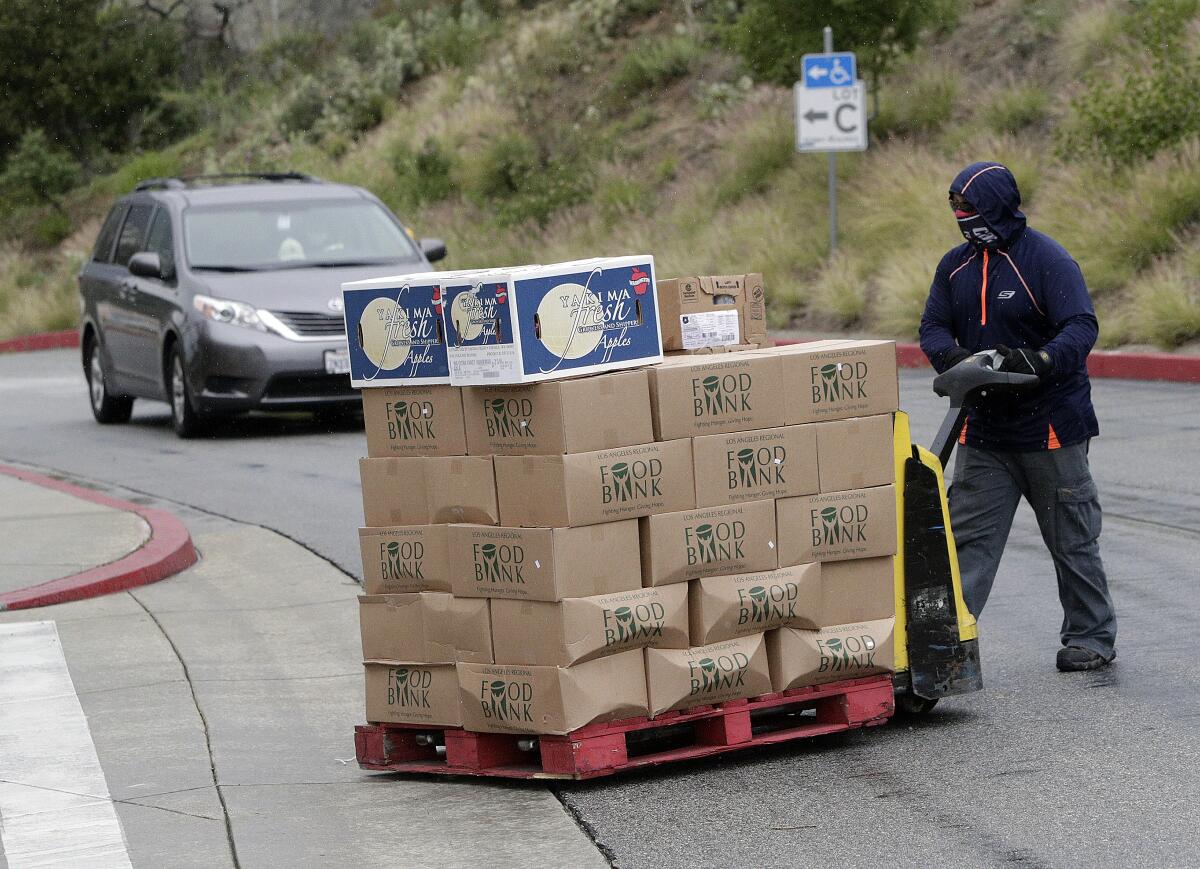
955	356
1024	361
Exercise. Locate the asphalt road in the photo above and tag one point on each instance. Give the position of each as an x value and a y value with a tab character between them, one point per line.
1040	769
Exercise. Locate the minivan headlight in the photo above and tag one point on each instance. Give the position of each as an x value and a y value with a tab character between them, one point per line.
228	311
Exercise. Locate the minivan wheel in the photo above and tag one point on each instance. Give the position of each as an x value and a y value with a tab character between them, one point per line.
187	421
107	408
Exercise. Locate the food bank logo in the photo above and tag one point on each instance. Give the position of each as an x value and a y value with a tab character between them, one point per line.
629	624
505	700
409	687
838	381
410	420
402	561
499	563
846	653
768	604
754	468
508	418
623	482
721	394
717	674
714	542
839	526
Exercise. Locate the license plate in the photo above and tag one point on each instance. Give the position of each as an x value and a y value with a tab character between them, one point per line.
337	361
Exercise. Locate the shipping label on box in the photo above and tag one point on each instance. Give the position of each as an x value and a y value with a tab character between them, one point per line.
725	607
428	489
838	379
480	334
799	657
579	415
593	487
860	523
394	331
731	670
717	311
544	564
692	396
579	629
404	558
406	693
552	700
429	627
713	541
747	466
414	421
855	453
858	591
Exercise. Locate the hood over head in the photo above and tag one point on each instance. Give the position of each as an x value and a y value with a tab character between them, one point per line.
992	190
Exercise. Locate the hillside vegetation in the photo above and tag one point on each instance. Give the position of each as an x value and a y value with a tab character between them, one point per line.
525	132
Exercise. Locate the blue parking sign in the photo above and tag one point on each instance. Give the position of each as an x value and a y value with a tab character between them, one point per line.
829	70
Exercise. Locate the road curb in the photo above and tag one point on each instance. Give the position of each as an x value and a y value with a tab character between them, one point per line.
41	341
168	551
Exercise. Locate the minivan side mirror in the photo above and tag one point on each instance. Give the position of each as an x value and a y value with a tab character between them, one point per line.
147	264
433	248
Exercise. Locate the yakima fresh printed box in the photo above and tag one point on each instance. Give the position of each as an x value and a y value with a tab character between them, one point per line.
713	541
799	657
553	700
404	558
394	331
747	466
681	678
414	421
579	629
544	322
544	564
430	626
407	693
859	523
725	607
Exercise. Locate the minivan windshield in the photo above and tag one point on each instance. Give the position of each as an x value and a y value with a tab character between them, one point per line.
293	234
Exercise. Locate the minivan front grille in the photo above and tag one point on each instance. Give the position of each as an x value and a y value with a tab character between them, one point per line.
311	324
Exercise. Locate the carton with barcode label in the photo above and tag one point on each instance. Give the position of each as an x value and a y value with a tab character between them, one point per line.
712	311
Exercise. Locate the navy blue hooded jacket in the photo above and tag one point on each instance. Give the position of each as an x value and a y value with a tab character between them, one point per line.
1025	291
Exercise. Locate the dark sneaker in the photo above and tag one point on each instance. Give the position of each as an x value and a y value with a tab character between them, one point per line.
1078	658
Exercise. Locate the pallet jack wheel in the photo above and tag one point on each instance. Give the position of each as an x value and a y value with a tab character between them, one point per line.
912	705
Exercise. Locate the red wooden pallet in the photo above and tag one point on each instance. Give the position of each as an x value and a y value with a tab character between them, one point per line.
603	749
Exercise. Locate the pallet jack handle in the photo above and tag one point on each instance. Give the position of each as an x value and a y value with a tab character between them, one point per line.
975	373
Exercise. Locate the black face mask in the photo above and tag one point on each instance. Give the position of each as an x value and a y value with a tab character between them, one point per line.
976	230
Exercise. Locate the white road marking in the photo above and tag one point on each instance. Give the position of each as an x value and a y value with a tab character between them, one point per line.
74	383
55	809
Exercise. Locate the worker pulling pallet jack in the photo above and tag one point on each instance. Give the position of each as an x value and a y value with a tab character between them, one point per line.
1011	286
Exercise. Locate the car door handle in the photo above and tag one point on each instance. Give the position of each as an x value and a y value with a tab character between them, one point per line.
126	289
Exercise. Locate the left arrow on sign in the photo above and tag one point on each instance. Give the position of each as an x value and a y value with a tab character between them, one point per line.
813	115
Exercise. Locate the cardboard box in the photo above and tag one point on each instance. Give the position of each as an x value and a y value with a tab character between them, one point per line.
554	700
682	678
859	523
725	607
545	564
709	351
800	658
746	466
428	489
579	629
717	311
714	541
404	693
547	322
857	591
394	331
692	396
404	558
855	453
428	627
601	412
598	486
414	421
838	379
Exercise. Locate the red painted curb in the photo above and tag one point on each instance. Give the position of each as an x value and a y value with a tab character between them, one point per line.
41	341
168	551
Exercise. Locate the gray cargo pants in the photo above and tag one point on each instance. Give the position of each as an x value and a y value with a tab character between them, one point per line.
1058	485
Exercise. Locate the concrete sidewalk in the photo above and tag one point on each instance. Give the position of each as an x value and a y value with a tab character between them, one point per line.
46	534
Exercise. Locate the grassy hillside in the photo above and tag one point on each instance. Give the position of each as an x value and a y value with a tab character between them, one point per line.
607	126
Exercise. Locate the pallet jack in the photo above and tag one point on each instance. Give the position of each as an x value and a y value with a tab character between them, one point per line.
937	641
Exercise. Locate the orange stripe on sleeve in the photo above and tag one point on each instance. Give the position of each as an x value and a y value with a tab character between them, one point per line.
962	438
1052	440
983	292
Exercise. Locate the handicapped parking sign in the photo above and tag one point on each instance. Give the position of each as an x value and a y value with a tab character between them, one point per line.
829	70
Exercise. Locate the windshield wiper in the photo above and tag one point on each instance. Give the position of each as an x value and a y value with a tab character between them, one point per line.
230	269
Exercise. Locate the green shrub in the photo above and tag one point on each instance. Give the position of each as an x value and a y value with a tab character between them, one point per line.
922	105
151	164
506	166
756	162
651	64
39	171
1016	108
305	107
425	175
51	229
449	41
1165	307
839	294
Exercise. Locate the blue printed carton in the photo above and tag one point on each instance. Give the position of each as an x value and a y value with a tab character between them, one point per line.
395	332
535	323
